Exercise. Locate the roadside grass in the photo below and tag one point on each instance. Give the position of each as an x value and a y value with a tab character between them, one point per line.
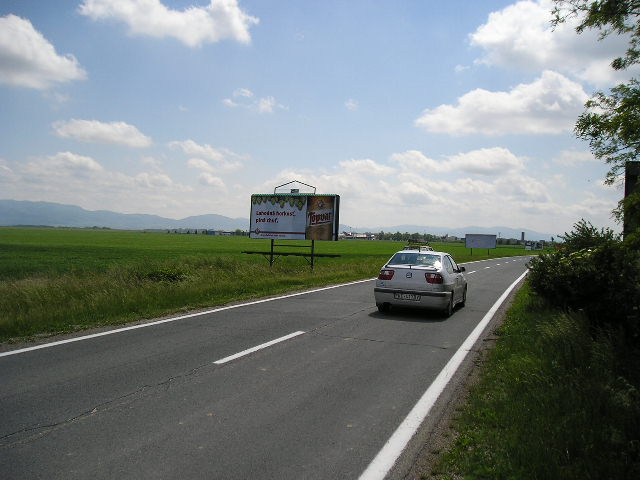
63	280
555	400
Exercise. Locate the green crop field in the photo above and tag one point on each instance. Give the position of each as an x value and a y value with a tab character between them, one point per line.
61	280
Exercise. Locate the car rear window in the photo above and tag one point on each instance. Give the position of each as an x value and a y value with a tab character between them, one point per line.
420	259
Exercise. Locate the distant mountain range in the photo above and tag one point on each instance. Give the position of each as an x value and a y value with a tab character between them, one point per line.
16	213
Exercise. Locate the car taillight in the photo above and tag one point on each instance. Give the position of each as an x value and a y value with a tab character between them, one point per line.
433	278
385	274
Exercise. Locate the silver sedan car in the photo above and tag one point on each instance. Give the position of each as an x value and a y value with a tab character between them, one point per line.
419	277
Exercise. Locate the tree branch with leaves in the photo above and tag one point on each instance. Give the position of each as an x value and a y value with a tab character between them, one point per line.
611	121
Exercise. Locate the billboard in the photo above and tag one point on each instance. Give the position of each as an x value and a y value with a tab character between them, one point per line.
294	216
478	240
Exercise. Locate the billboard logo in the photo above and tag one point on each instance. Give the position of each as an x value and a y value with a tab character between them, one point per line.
316	218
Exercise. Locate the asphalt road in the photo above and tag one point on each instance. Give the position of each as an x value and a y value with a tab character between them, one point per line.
153	403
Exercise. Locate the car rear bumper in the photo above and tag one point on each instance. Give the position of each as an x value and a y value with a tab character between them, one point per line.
433	300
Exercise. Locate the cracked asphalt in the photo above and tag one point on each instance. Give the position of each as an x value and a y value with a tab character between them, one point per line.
151	403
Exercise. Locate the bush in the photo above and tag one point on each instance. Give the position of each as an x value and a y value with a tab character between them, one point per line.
594	272
586	236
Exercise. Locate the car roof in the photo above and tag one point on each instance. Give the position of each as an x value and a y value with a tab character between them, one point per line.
415	250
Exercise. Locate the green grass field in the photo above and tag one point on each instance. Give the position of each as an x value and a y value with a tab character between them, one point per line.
61	280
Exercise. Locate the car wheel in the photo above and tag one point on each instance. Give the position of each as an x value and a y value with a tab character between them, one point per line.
383	307
449	310
463	302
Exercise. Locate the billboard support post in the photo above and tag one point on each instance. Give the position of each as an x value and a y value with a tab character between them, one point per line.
271	257
313	244
273	254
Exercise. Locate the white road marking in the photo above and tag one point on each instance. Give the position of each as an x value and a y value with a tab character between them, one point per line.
174	319
256	348
486	268
469	273
387	457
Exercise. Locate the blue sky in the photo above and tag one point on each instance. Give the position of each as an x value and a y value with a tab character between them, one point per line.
418	112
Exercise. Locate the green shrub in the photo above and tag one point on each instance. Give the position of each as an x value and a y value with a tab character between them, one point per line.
164	274
585	236
594	273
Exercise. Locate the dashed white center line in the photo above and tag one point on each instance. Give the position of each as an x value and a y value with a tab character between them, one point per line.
256	348
486	268
469	273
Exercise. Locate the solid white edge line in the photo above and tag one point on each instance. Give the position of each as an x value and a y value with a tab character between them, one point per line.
256	348
391	451
174	319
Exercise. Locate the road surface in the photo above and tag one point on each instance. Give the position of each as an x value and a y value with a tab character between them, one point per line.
172	400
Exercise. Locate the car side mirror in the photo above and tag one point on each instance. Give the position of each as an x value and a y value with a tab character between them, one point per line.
462	269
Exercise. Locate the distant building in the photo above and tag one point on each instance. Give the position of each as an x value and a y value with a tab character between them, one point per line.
356	236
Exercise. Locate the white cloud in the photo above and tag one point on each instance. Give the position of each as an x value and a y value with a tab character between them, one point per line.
415	160
194	26
27	59
570	158
243	92
520	36
93	131
366	167
243	98
64	162
351	104
210	180
207	177
200	164
150	161
486	161
549	105
522	187
472	187
192	148
225	159
230	103
153	180
7	174
268	105
419	193
494	161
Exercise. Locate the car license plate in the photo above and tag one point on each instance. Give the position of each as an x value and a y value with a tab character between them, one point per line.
406	296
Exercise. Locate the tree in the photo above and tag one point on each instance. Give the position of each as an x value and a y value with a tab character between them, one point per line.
611	122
